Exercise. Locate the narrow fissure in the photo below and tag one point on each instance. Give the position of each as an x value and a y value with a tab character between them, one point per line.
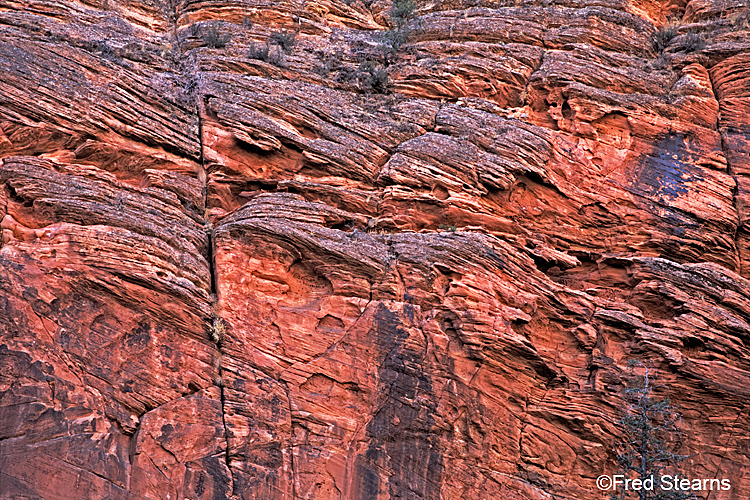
737	231
217	328
292	458
736	234
735	191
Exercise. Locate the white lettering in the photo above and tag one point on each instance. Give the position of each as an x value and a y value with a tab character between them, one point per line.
648	483
617	480
666	483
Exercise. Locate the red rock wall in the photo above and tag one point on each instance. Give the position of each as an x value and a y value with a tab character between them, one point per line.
225	274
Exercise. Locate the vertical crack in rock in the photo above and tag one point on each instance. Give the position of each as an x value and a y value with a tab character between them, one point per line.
525	92
217	327
522	428
729	171
737	231
293	458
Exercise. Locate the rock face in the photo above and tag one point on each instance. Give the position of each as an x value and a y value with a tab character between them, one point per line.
325	250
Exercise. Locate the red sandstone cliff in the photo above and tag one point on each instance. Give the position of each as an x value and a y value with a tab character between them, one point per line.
240	263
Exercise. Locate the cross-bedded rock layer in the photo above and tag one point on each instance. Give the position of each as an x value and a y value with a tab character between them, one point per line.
295	250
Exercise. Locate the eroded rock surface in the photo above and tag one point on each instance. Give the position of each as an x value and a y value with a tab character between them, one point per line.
287	250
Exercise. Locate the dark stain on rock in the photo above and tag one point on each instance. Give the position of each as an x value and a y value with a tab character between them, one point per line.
402	441
663	175
208	479
139	337
166	431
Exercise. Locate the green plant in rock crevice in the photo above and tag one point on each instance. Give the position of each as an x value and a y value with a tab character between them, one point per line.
401	13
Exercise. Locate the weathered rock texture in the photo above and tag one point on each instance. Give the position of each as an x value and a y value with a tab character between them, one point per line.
240	264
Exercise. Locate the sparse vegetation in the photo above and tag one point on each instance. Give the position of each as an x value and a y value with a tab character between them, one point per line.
217	330
328	63
690	42
214	37
693	42
741	20
664	36
373	78
284	39
391	42
263	52
660	63
258	51
180	90
105	50
401	13
212	34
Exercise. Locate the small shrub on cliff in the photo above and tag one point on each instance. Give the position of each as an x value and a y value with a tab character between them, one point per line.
373	78
217	330
741	21
328	63
259	52
664	36
264	53
660	63
105	50
402	11
284	39
212	34
693	43
392	40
